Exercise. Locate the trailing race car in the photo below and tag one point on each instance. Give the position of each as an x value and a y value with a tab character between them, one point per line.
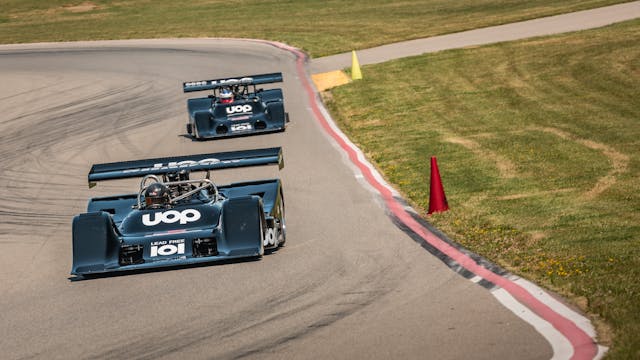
174	220
236	107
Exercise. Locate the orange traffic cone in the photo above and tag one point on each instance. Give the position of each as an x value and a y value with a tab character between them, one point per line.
437	198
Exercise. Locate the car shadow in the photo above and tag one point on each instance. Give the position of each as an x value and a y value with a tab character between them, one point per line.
75	278
239	135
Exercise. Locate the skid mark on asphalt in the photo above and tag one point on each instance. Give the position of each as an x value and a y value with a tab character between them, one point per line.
315	308
32	140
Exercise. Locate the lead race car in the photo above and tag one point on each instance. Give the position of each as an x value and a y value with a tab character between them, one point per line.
175	220
236	107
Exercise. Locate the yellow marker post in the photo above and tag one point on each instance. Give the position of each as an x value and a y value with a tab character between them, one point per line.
355	67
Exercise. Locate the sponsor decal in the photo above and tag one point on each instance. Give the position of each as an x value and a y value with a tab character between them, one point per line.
239	109
244	80
240	118
241	127
171	216
167	247
181	164
174	231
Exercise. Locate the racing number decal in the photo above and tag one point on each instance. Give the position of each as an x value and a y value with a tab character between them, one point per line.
241	127
167	247
270	237
239	109
171	216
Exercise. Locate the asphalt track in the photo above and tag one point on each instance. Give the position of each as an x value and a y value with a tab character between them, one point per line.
349	283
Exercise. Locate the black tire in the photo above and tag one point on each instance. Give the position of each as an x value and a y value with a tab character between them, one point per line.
263	227
195	132
282	228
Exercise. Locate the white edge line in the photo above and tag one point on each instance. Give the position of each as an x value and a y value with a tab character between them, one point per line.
359	153
561	347
581	321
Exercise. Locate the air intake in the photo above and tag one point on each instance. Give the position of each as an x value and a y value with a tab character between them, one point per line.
222	129
205	247
131	254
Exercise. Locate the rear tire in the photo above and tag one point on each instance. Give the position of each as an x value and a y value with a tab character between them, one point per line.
282	227
195	134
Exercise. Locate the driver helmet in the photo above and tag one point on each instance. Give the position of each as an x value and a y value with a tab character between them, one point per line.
156	195
226	96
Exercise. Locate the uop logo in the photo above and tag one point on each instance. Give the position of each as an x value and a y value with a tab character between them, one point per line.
171	216
167	247
181	164
244	80
239	109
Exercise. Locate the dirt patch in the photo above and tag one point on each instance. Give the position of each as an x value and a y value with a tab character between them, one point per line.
328	80
506	168
619	161
84	7
536	193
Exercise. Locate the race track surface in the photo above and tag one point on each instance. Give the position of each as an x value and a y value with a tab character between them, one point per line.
349	284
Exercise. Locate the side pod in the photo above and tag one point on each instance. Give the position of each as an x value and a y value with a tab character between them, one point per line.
95	243
276	111
243	226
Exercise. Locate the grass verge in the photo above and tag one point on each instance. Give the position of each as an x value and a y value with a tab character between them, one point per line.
538	145
319	27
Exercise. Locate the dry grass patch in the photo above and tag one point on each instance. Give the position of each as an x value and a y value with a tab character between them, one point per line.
506	168
619	161
81	8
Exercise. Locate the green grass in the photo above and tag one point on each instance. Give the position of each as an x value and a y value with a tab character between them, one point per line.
319	27
538	146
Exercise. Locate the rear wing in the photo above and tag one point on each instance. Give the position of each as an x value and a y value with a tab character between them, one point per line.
218	83
202	162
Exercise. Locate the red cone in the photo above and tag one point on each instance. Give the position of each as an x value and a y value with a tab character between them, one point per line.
437	198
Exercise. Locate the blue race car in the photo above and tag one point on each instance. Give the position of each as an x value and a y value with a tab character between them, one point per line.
236	107
175	220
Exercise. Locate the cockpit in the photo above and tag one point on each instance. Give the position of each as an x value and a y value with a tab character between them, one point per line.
175	189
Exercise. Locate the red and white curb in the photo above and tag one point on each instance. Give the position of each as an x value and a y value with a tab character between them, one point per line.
570	334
